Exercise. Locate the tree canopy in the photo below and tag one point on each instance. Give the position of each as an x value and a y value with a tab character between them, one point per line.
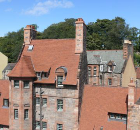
102	34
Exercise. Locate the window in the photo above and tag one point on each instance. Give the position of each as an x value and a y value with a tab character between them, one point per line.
59	127
44	101
89	71
26	114
26	84
44	125
110	68
59	80
37	124
94	71
6	102
37	101
30	48
16	83
59	104
15	113
109	81
101	68
38	74
117	117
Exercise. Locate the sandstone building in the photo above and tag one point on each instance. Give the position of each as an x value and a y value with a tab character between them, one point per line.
46	85
111	67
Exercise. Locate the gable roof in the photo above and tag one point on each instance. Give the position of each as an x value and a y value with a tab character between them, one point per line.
4	112
98	101
24	68
106	56
50	54
10	66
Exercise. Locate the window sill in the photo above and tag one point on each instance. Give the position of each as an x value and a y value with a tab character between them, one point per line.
5	107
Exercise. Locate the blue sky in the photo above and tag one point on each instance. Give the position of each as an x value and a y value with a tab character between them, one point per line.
15	14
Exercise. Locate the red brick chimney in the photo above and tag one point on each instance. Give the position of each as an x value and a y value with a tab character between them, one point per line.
127	49
131	88
29	34
80	43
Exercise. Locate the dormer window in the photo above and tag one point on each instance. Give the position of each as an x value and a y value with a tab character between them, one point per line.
30	48
38	74
61	74
59	81
110	68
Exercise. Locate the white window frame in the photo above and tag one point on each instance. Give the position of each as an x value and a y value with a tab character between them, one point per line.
26	114
37	100
44	125
109	79
5	102
59	104
44	101
59	83
95	70
37	124
16	83
25	85
15	113
89	71
101	68
59	126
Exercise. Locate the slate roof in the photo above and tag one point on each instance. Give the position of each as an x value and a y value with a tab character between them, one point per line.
106	56
4	112
10	66
98	101
50	54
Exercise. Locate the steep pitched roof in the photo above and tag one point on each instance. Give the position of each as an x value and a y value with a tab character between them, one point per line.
49	54
98	101
4	112
10	66
106	56
24	68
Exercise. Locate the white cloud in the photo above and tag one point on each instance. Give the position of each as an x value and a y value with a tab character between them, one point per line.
44	7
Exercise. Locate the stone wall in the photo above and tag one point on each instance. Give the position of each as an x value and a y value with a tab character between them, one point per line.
69	116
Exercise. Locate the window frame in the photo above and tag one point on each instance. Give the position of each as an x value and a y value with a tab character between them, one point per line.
7	102
15	114
60	105
26	115
109	79
26	87
38	125
58	78
58	126
16	83
44	125
44	104
89	70
95	71
38	98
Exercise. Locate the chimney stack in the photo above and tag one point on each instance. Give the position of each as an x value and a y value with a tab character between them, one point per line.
29	34
127	49
131	88
80	43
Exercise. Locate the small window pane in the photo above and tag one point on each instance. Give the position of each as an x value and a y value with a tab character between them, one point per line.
59	80
109	81
37	124
15	113
124	117
118	116
44	125
59	127
26	84
6	102
44	101
37	101
59	104
16	83
94	71
26	114
112	115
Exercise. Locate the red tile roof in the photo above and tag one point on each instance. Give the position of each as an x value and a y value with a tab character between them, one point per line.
24	68
138	72
98	101
51	53
4	112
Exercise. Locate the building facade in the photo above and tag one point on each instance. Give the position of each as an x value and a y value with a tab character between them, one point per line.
46	85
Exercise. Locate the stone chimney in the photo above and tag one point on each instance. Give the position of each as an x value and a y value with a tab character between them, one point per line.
127	49
80	43
131	88
29	34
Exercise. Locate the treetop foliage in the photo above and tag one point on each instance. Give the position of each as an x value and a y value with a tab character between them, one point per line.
102	34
